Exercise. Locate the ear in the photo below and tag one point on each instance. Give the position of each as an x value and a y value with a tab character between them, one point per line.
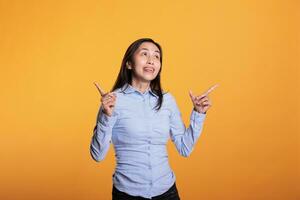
128	65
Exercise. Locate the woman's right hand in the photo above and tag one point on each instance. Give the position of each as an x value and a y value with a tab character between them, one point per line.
108	100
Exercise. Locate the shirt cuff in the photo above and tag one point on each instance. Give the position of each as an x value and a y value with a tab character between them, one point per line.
105	120
197	117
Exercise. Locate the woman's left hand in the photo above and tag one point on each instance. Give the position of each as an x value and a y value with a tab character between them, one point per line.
202	102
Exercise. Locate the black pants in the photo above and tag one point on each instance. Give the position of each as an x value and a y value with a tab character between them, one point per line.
171	194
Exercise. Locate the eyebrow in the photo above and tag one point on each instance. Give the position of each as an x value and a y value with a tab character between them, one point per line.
148	50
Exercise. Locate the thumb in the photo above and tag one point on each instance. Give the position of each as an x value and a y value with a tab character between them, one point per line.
191	95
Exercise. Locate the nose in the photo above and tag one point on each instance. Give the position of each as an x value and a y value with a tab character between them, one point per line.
150	61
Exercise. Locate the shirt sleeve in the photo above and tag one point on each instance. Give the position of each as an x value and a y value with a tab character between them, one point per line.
102	133
185	138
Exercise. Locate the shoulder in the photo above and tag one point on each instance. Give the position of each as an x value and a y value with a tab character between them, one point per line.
118	92
169	98
123	101
170	103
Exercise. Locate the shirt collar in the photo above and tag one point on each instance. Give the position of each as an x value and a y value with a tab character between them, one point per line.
127	89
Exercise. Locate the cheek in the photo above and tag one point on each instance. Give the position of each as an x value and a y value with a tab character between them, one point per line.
140	61
138	69
158	66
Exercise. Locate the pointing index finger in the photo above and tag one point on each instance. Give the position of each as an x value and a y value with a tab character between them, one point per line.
101	91
210	90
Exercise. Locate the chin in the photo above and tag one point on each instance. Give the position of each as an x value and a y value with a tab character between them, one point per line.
149	78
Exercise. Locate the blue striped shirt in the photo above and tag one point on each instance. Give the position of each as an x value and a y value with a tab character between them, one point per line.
139	135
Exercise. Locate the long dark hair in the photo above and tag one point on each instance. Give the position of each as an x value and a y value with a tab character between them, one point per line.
125	75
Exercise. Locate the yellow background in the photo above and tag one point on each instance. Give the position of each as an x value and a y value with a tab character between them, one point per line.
52	51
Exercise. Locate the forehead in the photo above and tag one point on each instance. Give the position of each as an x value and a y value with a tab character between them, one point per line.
148	46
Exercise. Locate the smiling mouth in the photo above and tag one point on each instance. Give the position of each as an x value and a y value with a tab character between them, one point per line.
149	69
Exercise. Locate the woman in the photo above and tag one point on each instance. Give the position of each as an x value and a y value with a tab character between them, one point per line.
139	118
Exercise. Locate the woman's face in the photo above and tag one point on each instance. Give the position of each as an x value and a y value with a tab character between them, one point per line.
146	62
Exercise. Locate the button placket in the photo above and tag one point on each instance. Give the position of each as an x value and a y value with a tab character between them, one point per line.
148	114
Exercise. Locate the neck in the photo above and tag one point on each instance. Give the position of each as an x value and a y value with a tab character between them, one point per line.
139	85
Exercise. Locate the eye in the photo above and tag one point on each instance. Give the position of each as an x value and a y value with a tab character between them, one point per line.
144	53
157	56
